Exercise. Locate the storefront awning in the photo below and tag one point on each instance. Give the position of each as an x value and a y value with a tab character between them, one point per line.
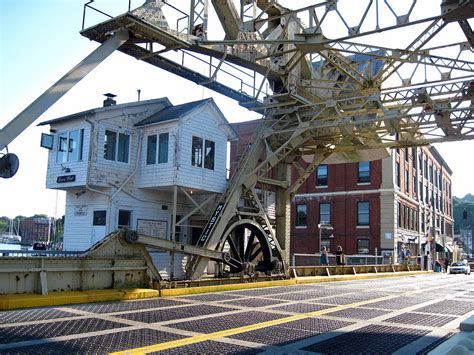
440	249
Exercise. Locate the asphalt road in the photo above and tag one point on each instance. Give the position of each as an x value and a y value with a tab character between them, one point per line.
396	315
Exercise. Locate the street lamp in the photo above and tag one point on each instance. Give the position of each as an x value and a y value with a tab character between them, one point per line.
325	227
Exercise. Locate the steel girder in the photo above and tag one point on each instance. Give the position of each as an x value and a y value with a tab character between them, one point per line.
329	91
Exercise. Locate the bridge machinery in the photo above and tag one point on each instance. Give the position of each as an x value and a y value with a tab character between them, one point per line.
334	82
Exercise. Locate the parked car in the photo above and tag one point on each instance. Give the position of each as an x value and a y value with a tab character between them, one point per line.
460	268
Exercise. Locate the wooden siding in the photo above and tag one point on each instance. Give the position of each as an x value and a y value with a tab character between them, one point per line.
201	123
158	174
77	168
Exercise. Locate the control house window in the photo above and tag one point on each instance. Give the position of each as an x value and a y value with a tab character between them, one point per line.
124	219
163	148
301	215
116	146
363	213
322	175
196	157
203	150
363	172
209	151
160	143
70	146
99	218
151	149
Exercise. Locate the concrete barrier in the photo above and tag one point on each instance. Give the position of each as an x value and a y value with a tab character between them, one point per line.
302	271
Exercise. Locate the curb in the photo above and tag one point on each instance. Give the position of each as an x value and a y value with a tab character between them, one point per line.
16	301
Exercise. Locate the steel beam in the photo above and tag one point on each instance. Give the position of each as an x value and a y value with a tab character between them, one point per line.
61	87
174	246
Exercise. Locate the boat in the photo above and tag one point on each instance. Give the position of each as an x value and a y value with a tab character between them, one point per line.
10	239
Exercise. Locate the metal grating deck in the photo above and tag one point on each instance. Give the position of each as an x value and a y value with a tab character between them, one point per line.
211	347
46	330
215	324
31	315
373	339
99	344
112	307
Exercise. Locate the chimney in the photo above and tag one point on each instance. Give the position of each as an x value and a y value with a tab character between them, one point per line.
109	101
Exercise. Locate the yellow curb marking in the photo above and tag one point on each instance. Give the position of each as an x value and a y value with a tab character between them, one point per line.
228	332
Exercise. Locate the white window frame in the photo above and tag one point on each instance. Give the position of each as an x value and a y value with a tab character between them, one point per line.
116	147
66	136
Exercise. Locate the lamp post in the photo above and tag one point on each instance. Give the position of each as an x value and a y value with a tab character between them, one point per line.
325	227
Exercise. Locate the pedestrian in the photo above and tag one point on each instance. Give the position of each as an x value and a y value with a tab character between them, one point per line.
402	255
407	256
339	256
323	258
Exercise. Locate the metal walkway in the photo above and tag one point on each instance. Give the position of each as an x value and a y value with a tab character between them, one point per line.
400	315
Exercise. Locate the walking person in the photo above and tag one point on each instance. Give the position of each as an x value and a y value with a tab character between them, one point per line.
323	258
401	258
339	256
407	256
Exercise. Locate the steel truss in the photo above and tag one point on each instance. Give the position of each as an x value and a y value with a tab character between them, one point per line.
325	91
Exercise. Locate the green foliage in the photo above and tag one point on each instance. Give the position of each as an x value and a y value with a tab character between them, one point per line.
4	224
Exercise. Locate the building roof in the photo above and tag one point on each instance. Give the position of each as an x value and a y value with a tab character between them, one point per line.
440	159
172	112
168	113
94	111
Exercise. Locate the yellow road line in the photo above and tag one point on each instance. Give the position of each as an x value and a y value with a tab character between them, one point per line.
246	328
228	332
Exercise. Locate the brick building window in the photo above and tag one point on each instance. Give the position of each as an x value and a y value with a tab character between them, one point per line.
325	213
399	214
301	215
407	181
363	213
397	173
322	175
363	172
363	246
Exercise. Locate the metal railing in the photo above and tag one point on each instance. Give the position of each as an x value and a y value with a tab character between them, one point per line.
42	253
299	259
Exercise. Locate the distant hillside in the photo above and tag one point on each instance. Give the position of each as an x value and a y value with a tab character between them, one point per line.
468	197
459	205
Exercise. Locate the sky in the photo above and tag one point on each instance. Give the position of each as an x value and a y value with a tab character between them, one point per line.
40	42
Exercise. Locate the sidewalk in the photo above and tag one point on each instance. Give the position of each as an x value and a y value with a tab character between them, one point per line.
459	344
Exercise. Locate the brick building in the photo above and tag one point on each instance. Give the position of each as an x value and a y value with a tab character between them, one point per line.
372	207
35	229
